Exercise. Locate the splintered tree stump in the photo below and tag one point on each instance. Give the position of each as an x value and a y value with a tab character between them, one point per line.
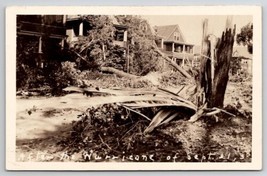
223	58
216	56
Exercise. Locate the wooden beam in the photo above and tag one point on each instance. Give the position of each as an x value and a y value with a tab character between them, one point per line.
174	64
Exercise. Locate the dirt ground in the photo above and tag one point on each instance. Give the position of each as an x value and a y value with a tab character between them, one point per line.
42	123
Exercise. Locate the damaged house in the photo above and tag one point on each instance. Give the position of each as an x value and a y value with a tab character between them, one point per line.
78	26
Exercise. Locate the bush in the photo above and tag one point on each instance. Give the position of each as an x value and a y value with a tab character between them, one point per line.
240	77
70	72
38	70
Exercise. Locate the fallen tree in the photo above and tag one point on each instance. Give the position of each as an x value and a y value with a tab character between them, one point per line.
118	72
140	57
110	69
174	64
131	76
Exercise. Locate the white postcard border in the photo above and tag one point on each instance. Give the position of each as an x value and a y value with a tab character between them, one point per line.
11	13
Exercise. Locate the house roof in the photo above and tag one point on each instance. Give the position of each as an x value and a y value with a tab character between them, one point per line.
114	20
241	51
166	31
116	23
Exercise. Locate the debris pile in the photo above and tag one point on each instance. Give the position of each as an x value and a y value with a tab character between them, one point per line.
142	122
124	126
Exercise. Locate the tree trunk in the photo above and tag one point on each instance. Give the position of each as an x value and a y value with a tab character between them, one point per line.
216	56
118	72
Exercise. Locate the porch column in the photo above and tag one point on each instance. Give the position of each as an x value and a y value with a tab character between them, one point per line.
183	55
62	43
172	47
125	36
162	43
40	63
81	29
40	45
70	34
64	19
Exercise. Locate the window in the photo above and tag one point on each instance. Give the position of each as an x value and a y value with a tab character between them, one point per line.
176	36
119	35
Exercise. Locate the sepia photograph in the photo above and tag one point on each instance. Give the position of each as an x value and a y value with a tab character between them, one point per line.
155	91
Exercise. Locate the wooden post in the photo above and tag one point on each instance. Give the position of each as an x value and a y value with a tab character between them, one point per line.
40	45
127	58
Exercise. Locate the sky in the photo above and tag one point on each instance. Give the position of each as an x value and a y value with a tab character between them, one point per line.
191	26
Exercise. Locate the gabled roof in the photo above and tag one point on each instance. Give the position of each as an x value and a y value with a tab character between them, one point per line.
114	20
165	32
241	51
116	23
